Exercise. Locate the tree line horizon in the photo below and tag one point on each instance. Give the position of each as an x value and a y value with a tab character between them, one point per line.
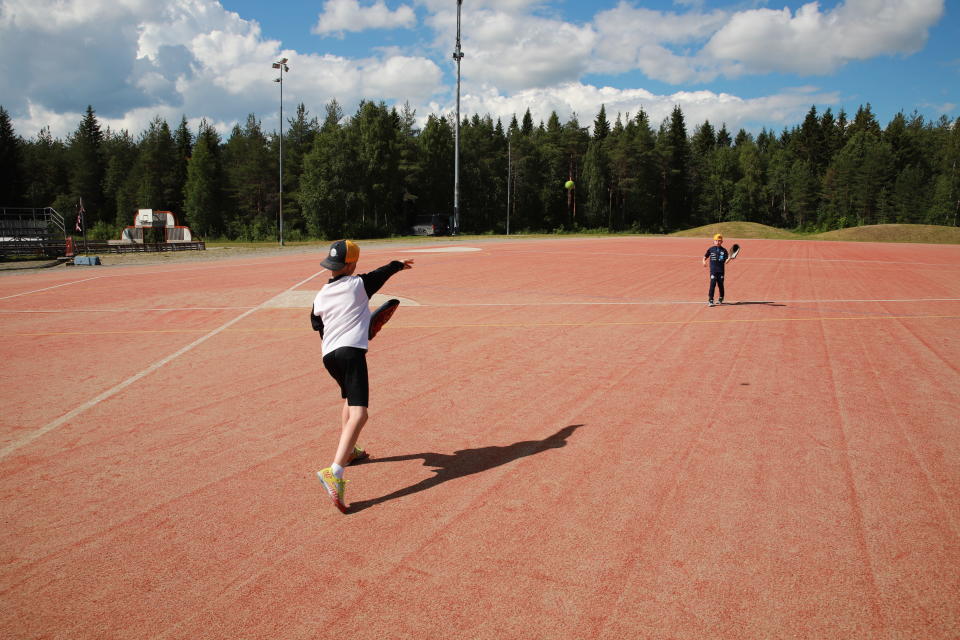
371	174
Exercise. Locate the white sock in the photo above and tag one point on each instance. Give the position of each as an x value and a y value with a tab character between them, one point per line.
337	470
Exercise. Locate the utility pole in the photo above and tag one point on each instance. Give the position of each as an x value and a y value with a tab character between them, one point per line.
457	55
281	66
509	173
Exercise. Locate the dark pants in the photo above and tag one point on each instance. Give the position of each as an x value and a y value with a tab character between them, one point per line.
716	281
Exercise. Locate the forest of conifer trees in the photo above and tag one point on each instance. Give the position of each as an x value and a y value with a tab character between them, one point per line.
370	174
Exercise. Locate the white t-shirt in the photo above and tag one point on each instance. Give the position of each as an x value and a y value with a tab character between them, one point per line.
344	307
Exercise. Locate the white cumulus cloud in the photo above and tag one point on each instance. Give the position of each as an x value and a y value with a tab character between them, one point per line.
657	43
584	100
135	59
812	41
340	16
536	52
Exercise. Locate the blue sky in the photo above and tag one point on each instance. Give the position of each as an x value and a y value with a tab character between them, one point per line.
749	64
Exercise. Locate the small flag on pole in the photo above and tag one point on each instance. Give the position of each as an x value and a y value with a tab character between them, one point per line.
80	220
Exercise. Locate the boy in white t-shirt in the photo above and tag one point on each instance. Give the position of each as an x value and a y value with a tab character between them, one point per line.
341	313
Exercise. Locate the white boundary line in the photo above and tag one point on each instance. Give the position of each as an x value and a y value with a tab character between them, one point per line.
411	303
56	286
172	268
750	258
124	310
89	404
668	302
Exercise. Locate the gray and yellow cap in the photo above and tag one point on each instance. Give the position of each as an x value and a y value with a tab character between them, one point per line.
342	253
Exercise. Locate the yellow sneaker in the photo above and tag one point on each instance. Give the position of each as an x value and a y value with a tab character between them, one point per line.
357	454
335	487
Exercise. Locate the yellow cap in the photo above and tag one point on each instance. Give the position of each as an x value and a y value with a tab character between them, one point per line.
718	237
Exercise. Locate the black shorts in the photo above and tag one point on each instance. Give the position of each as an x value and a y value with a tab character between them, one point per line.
348	366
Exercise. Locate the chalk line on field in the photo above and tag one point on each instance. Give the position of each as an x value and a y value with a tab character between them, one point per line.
89	404
56	286
563	303
303	299
172	268
124	310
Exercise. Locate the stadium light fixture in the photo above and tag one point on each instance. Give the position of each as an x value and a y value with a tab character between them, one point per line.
281	66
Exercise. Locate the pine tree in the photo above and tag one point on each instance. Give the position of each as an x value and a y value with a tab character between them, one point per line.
803	193
843	132
11	159
854	188
811	142
601	127
832	136
408	162
644	211
325	193
864	121
153	180
297	142
380	191
45	161
251	183
202	193
675	155
575	141
553	198
86	166
721	177
596	183
747	200
436	154
121	155
703	148
704	140
723	136
526	128
945	203
482	176
183	143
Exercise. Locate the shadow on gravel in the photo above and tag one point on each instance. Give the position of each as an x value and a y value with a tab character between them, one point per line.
465	462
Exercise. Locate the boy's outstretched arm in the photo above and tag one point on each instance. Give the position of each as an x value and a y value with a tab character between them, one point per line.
373	281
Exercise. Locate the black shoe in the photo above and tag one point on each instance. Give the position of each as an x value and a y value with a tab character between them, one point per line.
721	301
710	303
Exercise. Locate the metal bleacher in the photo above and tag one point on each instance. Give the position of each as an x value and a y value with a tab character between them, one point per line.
31	232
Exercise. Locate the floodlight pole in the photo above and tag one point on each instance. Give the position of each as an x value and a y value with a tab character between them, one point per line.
281	66
457	55
509	175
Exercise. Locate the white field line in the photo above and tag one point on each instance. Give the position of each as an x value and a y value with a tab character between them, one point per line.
669	302
56	286
179	269
741	258
124	310
409	303
89	404
171	269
